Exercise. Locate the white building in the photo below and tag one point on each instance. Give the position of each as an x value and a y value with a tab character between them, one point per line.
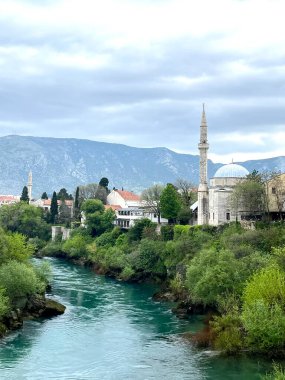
9	199
129	208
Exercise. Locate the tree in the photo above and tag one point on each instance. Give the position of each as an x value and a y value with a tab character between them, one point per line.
25	219
101	194
44	195
248	197
151	199
170	203
53	208
64	213
77	204
25	195
87	192
104	182
97	219
63	195
186	190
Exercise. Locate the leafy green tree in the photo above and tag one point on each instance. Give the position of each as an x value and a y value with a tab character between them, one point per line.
44	195
25	195
54	208
25	219
151	199
170	203
97	219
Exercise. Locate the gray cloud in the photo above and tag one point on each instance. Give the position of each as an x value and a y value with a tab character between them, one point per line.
73	83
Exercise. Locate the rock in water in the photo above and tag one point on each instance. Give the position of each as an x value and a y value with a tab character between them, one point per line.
53	308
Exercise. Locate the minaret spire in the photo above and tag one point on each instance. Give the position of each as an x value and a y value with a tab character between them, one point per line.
30	184
203	191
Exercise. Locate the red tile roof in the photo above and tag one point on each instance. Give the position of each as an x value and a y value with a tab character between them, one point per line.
128	195
8	198
47	202
113	207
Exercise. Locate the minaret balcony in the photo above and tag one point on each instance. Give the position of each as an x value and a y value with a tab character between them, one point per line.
203	145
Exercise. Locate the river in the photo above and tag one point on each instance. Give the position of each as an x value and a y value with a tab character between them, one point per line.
113	331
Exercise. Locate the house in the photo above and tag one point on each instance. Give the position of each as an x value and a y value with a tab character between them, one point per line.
129	208
275	189
9	199
46	203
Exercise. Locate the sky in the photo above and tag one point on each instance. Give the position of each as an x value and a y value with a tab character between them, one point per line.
136	72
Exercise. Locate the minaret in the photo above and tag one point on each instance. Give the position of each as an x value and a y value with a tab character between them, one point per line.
203	191
30	185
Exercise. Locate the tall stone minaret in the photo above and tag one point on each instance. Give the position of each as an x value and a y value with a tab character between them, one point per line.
30	185
203	190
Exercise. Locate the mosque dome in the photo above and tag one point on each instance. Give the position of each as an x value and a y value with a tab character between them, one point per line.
231	171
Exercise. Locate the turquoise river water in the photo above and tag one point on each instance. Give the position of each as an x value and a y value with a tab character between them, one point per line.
112	331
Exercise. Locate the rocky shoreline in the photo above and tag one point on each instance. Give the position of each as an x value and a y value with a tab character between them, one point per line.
34	306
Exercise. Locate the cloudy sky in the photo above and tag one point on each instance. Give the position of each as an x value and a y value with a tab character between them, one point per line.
136	72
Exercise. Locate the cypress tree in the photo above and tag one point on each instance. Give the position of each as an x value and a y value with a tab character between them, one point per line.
44	196
53	207
25	195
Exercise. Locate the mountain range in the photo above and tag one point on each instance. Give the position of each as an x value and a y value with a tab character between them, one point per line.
62	162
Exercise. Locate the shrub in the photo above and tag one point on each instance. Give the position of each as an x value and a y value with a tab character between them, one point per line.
4	304
263	310
76	246
19	280
135	232
180	231
146	258
167	232
13	246
127	273
211	274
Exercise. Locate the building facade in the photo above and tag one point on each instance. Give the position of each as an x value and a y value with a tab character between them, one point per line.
214	201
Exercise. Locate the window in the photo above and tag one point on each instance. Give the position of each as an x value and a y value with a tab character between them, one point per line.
228	216
273	190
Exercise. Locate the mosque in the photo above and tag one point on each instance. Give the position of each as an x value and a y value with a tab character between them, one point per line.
214	206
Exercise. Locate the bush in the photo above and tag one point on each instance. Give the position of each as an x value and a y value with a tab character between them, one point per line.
147	258
180	231
4	304
263	310
76	246
212	274
19	280
167	232
135	232
13	246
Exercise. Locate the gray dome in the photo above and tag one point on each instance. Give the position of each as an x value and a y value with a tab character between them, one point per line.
231	171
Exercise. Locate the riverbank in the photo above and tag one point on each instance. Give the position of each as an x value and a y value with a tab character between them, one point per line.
113	330
203	269
31	307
